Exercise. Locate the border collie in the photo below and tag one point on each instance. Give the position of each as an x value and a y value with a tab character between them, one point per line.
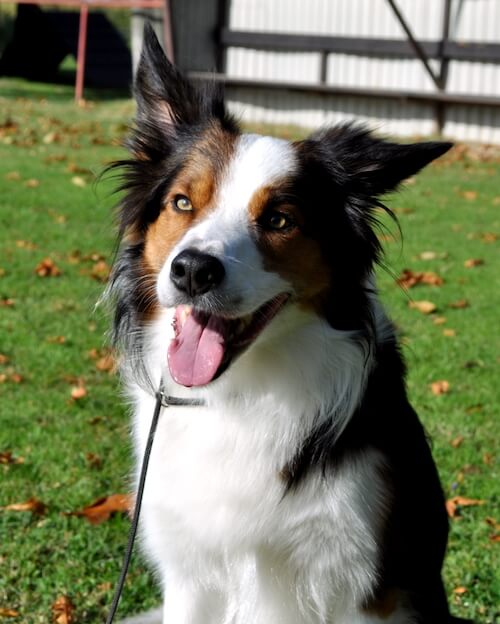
303	490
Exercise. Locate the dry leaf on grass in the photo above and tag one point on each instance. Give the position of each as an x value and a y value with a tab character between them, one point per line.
425	307
409	278
473	262
456	442
63	610
33	505
33	183
460	590
453	504
6	457
78	181
47	268
449	333
440	387
101	510
78	392
5	612
460	304
469	195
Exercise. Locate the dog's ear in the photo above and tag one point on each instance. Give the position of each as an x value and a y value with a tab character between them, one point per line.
165	96
369	166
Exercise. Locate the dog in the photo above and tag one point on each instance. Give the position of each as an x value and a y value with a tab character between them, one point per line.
302	490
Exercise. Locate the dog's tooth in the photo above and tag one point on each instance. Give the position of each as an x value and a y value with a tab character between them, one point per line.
184	312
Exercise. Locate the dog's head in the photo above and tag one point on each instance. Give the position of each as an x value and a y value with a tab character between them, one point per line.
230	228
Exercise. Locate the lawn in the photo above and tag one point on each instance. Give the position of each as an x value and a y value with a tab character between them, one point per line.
64	426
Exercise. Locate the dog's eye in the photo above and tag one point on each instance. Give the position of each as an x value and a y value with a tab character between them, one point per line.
182	204
276	220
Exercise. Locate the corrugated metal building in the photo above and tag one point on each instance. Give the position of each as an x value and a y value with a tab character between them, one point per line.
224	36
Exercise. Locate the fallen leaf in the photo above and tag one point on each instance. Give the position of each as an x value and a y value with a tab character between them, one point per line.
456	442
473	262
425	307
78	181
487	459
51	137
460	304
47	268
32	183
106	363
492	522
24	244
74	168
100	271
33	505
439	320
449	333
440	387
4	359
469	195
13	175
5	612
63	610
460	590
495	537
101	510
56	339
453	504
7	302
490	237
409	278
78	392
93	460
6	457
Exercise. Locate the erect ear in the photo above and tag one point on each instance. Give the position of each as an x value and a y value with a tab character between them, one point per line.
165	96
371	166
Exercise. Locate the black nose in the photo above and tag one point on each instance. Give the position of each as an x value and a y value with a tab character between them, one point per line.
195	272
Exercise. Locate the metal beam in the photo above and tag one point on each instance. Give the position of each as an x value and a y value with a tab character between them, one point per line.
415	44
318	89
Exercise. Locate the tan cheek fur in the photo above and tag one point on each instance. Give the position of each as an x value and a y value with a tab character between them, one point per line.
297	258
198	185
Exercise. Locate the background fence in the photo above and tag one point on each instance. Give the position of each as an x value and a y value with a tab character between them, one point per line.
322	61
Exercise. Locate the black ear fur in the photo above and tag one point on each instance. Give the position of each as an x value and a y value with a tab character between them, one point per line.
165	95
369	166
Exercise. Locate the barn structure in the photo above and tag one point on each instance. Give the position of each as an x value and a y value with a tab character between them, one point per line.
406	67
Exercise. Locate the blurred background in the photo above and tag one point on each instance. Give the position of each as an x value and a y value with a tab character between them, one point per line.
412	68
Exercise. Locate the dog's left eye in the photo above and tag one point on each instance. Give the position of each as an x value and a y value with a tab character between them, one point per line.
276	220
182	203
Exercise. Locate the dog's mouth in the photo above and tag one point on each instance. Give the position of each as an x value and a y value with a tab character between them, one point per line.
205	344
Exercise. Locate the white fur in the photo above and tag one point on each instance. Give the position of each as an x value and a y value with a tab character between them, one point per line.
229	545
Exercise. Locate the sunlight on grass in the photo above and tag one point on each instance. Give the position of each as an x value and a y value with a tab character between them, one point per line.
67	451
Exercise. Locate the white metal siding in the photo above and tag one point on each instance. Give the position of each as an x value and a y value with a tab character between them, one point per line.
473	20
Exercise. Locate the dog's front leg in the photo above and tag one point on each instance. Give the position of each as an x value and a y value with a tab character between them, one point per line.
186	603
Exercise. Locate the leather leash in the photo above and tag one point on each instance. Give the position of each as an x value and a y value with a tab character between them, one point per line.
162	400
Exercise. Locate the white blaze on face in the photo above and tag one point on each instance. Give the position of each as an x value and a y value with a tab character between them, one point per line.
203	342
257	162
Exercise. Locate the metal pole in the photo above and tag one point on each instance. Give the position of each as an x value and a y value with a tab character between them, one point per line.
82	44
168	32
414	43
443	67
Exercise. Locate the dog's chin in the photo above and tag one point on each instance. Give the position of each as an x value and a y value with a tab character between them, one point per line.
206	344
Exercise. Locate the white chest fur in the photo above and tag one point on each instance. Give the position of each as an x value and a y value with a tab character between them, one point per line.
232	547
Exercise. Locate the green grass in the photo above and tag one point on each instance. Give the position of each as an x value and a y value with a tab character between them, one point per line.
42	557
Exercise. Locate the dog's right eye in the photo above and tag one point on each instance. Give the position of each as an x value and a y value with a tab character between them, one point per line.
182	203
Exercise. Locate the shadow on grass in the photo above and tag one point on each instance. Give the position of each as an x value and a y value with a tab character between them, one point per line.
63	91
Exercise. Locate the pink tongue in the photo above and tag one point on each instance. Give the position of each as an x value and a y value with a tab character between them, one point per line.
195	355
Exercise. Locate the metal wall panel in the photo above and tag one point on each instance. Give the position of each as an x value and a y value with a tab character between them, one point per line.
473	20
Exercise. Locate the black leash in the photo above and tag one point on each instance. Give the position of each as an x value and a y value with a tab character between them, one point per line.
162	400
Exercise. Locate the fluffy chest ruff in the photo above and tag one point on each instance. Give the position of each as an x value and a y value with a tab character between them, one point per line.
245	279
